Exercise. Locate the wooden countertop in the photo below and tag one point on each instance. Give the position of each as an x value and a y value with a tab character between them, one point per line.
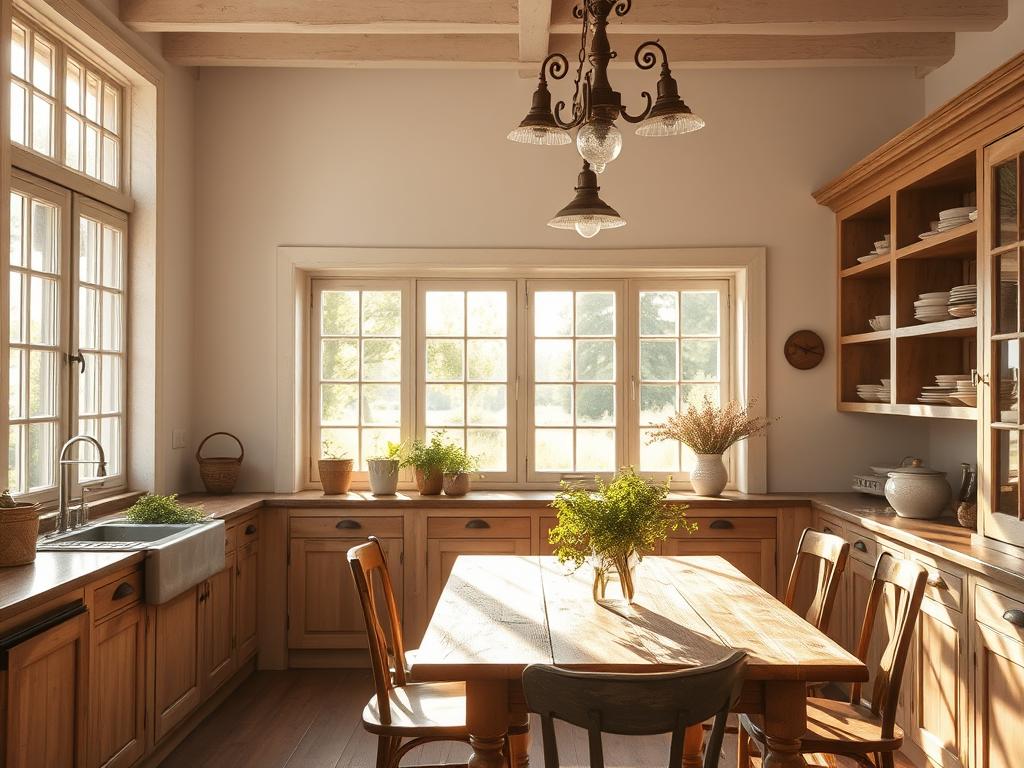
944	538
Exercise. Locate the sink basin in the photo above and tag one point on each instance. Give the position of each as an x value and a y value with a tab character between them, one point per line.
177	556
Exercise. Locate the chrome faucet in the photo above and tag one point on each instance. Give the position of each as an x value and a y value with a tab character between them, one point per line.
64	519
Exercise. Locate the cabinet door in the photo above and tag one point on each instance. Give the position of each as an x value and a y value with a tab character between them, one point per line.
936	684
46	700
754	558
323	606
999	685
246	598
117	684
176	661
217	619
441	555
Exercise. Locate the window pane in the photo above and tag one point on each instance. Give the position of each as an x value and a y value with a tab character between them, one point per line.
73	142
339	359
595	360
487	359
17	230
110	439
15	402
382	313
109	172
112	323
88	250
111	388
73	85
42	65
382	360
339	404
595	314
92	97
42	452
110	109
92	151
42	383
15	464
595	450
658	361
662	456
17	324
444	405
19	114
694	394
45	245
382	404
89	387
339	443
700	360
19	51
657	402
553	405
113	257
444	360
552	313
375	443
445	313
489	448
42	125
552	360
486	405
553	450
595	405
700	313
42	311
486	313
659	313
339	313
88	312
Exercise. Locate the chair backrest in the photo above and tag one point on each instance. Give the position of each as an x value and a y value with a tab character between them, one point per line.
384	632
908	580
827	555
635	704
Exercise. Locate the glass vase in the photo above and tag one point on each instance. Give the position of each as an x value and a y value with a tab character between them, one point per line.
615	578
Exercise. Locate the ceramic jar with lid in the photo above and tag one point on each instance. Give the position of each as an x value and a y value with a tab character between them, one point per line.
918	492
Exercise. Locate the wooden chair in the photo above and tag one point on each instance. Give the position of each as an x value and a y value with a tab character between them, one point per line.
404	715
829	554
850	729
635	704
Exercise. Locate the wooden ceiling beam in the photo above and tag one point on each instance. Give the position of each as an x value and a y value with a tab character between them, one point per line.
534	28
502	51
796	17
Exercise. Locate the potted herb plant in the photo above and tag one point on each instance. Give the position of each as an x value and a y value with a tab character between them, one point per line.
428	460
709	431
335	469
383	470
612	526
457	466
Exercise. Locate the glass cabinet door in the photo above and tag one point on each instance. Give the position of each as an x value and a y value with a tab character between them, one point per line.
1001	507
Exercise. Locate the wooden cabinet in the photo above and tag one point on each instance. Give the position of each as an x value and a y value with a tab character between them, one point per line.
217	627
441	554
45	681
176	665
117	673
323	606
998	678
755	558
246	601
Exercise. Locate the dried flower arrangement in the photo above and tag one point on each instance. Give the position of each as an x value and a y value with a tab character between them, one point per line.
711	428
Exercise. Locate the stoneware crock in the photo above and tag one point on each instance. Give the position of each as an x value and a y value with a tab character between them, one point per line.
918	492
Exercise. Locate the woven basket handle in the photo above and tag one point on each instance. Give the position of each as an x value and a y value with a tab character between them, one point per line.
199	450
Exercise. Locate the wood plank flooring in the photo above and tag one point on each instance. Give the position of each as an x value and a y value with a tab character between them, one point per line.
310	718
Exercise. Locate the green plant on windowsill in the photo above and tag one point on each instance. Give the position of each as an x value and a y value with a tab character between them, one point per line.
154	509
458	463
613	525
383	470
432	459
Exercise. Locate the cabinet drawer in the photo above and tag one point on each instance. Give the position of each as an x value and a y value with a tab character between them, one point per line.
944	586
863	545
241	533
347	527
117	594
831	525
1003	614
478	528
728	528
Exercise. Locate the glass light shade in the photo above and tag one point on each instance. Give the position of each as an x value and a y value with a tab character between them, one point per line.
587	224
588	227
599	142
539	134
672	124
587	213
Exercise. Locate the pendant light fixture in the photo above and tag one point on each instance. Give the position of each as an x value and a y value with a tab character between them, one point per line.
596	105
588	214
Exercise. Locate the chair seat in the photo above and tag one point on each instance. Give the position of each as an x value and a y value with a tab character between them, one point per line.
835	727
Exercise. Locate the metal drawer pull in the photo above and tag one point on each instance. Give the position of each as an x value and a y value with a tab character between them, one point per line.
828	530
860	546
250	529
476	522
348	525
722	525
124	589
1015	616
937	582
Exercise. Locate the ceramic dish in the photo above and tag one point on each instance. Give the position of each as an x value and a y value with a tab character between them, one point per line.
957	213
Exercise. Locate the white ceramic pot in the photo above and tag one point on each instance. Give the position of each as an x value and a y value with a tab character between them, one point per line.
383	476
918	492
710	476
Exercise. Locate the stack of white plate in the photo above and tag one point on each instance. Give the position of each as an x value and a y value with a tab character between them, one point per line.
869	392
885	393
937	394
951	218
963	301
1008	394
932	307
882	248
966	392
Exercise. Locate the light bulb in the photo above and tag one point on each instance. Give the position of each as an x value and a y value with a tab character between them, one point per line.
599	142
588	227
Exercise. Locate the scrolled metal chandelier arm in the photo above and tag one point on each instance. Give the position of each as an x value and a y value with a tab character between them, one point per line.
645	58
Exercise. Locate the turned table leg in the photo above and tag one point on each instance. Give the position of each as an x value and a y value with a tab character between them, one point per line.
785	721
487	717
693	743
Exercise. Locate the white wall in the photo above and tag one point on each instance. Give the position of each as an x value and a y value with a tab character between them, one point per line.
399	158
977	54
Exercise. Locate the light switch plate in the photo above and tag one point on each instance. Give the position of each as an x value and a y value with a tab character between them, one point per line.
177	438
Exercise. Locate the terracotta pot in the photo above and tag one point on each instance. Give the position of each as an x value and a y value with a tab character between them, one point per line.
429	482
335	475
456	483
383	476
19	529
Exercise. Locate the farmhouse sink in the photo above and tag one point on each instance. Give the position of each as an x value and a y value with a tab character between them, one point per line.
177	556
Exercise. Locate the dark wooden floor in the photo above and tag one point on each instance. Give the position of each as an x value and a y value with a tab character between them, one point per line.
311	719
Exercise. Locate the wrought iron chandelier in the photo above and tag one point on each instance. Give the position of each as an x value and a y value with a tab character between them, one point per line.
595	108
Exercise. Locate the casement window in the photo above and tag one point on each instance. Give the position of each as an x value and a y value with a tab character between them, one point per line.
541	380
63	107
67	286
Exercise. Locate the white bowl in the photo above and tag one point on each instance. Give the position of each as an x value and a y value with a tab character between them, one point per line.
957	213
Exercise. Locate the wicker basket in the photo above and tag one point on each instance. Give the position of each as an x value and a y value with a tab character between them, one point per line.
220	473
19	529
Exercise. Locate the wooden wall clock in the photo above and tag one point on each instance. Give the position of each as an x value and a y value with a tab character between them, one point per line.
804	349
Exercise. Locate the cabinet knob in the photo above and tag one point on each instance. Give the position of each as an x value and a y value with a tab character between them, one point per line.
476	522
124	589
250	529
348	525
937	582
722	525
1015	616
860	546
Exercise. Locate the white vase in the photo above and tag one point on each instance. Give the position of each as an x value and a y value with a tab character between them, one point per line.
383	476
710	476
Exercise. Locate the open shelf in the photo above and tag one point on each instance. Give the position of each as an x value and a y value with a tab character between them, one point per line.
962	241
859	232
963	327
873	268
866	338
912	409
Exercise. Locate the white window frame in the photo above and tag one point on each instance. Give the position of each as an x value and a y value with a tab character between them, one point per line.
512	381
317	287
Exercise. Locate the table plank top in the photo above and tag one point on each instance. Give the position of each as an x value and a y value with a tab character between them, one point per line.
500	613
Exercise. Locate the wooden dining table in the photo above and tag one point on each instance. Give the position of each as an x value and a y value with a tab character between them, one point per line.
498	614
